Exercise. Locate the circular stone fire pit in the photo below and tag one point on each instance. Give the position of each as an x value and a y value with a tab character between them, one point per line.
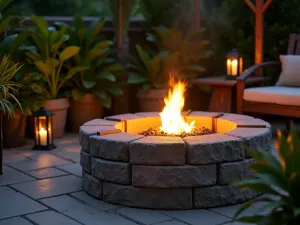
158	172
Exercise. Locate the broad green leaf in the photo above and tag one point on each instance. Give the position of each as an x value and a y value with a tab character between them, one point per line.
33	56
107	76
77	94
114	68
103	44
52	63
136	78
20	39
144	57
82	34
4	23
88	84
75	70
94	53
107	102
155	65
41	24
250	219
257	185
68	52
43	67
101	94
249	204
115	91
94	29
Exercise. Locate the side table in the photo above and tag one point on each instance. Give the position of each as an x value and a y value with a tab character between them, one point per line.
223	91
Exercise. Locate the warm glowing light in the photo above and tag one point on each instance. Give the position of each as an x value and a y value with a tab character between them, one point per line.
234	69
43	136
171	118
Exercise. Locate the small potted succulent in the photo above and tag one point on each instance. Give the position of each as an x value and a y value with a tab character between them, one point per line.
92	88
171	51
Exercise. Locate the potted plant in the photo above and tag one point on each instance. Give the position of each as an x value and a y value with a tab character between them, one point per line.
91	88
172	51
49	56
9	91
31	98
279	181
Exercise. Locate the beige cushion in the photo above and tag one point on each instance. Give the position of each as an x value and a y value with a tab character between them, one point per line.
274	94
290	75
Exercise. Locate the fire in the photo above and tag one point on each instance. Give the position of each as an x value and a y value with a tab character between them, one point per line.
171	118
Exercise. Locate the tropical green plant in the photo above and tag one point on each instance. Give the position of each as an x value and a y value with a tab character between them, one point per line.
49	55
32	94
279	178
171	50
95	54
8	88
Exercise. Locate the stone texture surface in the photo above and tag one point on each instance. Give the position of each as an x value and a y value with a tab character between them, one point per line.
117	172
80	206
158	151
112	146
86	131
202	119
91	185
253	138
127	195
174	176
234	171
121	117
16	204
214	148
48	218
148	114
141	124
100	122
85	161
55	186
216	196
46	173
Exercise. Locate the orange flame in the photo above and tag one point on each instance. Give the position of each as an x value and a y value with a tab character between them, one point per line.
171	118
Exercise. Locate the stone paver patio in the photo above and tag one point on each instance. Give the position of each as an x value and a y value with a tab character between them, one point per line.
44	187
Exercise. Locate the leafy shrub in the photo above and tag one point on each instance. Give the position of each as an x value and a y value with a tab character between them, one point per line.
279	178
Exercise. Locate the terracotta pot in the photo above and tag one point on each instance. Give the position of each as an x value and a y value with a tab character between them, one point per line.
83	110
60	108
151	100
14	127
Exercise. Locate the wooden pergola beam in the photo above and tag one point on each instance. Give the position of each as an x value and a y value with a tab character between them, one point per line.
251	6
266	5
259	8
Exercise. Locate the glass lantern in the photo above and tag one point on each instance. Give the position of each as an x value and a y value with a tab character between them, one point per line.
43	130
234	64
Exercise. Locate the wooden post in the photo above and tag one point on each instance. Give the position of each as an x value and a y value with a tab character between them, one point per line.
259	8
196	14
120	38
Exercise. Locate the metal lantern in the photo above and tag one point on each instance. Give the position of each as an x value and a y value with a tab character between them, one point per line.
234	64
43	130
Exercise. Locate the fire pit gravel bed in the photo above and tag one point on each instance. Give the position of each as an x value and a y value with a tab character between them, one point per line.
159	172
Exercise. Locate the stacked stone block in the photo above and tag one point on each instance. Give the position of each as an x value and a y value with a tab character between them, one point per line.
169	172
